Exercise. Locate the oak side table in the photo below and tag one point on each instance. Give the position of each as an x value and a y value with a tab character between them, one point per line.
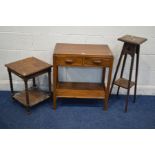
82	55
26	69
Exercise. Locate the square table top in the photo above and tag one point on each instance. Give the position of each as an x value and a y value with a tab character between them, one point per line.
28	66
132	39
83	49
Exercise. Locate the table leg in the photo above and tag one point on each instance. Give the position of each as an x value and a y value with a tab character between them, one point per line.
136	75
130	77
117	68
27	95
124	61
49	83
54	101
103	75
55	80
107	89
11	84
34	82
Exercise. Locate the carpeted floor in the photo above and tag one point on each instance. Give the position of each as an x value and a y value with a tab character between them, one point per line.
79	114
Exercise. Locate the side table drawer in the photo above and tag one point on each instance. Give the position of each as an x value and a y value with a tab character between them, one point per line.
96	61
69	61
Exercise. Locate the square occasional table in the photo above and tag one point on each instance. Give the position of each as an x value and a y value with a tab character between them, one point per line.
82	55
26	69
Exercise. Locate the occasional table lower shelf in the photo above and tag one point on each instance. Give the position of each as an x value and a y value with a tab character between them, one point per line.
35	96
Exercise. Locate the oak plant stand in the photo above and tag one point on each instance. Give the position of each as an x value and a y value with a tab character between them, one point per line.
82	55
26	69
131	47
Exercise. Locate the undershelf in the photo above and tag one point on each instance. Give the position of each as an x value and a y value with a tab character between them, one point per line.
80	90
35	96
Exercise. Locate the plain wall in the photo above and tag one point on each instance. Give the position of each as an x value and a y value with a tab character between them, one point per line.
21	42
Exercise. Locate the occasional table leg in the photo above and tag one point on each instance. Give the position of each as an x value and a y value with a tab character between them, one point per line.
54	101
49	83
27	96
11	84
34	82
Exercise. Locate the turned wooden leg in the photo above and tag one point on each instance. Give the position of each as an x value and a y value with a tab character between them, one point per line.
27	96
11	84
49	83
54	101
34	82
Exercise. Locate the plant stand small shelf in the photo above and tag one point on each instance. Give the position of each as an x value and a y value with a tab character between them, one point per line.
122	82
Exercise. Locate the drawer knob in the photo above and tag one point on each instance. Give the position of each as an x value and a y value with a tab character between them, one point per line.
69	61
97	62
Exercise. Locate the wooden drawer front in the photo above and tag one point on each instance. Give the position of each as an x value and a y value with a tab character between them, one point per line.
69	61
97	62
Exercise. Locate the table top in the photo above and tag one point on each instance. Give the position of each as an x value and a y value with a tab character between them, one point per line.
28	66
83	49
132	39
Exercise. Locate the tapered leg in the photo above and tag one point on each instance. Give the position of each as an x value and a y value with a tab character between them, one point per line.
34	82
130	76
107	89
11	84
124	61
27	95
136	75
119	62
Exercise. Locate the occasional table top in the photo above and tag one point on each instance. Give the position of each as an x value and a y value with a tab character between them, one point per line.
132	39
83	49
28	66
